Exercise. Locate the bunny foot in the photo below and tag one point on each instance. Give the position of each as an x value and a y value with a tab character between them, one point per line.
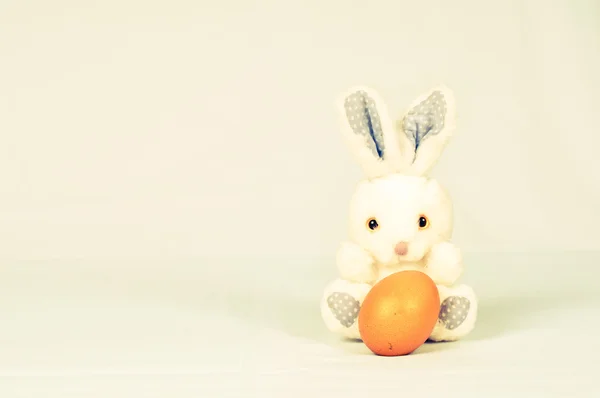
458	313
340	306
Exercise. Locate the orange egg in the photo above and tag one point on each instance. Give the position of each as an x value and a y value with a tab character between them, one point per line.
399	313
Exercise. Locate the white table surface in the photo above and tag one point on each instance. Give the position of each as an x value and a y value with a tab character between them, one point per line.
197	327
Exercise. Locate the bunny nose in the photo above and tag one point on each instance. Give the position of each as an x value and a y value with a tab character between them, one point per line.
401	248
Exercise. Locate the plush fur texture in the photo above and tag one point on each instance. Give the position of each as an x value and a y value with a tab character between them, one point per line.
400	219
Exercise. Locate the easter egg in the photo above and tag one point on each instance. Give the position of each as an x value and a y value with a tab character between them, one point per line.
399	313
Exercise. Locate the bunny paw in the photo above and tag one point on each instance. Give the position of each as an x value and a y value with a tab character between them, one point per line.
355	264
340	307
344	307
458	313
444	263
454	311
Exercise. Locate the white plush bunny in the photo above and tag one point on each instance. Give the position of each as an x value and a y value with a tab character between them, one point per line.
400	219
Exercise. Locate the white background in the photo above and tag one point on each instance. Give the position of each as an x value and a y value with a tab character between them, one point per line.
201	128
173	188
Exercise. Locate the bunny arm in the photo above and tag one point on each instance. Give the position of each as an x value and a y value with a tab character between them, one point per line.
444	263
355	264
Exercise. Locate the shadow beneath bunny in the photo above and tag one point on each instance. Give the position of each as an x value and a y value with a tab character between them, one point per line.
302	319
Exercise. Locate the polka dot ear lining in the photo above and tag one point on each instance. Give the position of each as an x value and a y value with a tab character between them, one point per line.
425	119
363	118
344	307
454	311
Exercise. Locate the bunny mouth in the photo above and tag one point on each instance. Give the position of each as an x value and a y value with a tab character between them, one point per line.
405	259
408	257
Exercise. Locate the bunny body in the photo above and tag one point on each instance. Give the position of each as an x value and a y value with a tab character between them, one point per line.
400	219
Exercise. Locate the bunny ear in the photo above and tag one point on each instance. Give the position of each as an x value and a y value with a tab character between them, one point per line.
369	131
427	126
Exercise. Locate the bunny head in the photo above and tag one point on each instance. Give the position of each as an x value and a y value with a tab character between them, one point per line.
397	213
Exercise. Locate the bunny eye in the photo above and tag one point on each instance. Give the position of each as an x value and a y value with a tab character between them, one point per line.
372	224
423	222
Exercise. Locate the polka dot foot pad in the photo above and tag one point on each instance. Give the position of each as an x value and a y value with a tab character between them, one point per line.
454	311
344	307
